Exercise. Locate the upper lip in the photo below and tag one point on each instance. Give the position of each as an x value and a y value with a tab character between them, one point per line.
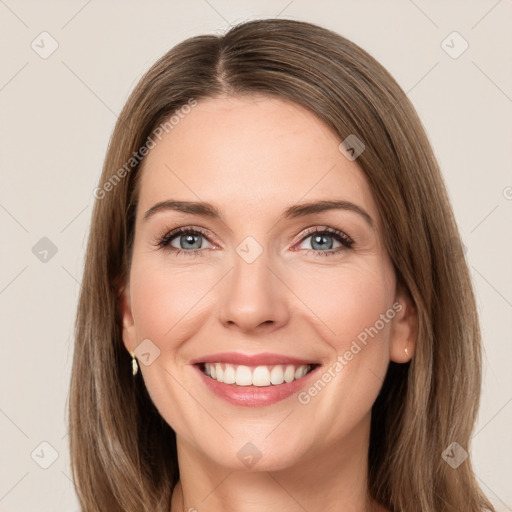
263	359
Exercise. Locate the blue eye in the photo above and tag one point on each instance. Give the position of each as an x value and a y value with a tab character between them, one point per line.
191	241
320	237
188	239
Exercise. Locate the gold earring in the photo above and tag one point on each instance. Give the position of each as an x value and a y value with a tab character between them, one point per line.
135	366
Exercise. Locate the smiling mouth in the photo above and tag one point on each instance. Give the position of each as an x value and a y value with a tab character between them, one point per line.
260	376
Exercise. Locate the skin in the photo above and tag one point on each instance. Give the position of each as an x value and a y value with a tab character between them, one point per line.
251	157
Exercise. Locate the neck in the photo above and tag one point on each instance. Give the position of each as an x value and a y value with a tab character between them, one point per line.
322	481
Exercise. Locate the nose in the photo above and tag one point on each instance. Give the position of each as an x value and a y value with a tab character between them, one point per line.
254	296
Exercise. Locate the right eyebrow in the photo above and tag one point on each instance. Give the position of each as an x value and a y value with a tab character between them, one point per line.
193	207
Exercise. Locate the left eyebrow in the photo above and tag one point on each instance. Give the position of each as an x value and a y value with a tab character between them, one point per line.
297	210
301	210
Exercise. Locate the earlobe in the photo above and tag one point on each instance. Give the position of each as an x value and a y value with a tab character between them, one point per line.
404	328
128	324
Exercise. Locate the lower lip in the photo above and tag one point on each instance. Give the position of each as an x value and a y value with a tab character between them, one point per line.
255	396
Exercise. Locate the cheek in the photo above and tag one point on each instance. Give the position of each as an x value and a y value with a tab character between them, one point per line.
165	298
165	302
346	306
343	302
354	306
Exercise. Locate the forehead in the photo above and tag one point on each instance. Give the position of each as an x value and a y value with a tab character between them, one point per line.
244	154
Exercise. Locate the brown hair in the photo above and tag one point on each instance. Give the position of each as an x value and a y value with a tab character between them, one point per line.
123	454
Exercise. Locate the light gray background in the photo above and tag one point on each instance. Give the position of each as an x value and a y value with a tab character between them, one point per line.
58	113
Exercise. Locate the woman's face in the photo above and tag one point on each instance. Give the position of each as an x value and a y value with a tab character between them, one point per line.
250	288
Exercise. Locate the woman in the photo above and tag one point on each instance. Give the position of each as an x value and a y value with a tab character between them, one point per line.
316	346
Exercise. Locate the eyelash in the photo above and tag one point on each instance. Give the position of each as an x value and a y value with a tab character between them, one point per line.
162	242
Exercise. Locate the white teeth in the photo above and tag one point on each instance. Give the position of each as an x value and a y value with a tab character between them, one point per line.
289	373
261	376
229	375
243	376
300	372
277	375
219	373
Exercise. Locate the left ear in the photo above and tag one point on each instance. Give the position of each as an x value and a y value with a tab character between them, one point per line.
404	327
124	305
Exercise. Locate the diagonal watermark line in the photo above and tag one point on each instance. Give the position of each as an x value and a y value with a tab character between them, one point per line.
73	219
13	217
280	423
492	81
307	192
3	3
177	177
492	491
82	289
198	402
14	423
406	93
376	376
491	285
170	169
218	13
284	9
334	334
503	407
217	486
286	491
424	13
422	78
492	211
12	280
71	275
67	476
448	505
76	14
485	15
194	305
14	486
89	88
14	76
